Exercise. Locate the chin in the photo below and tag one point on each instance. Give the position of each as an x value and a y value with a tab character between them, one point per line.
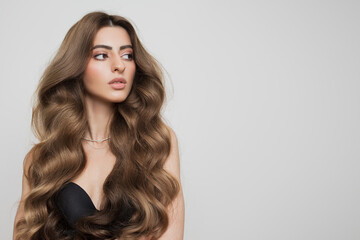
118	96
109	99
118	99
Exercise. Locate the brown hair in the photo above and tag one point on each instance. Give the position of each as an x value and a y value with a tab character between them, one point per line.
139	139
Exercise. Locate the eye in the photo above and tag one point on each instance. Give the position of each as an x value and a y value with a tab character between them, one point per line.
128	56
101	56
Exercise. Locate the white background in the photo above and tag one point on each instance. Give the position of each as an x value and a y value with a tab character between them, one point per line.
263	95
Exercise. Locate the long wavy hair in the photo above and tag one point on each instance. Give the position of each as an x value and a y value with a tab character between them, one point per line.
139	139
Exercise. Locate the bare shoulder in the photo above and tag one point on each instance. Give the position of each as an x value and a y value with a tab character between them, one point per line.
28	160
25	189
173	137
172	164
176	209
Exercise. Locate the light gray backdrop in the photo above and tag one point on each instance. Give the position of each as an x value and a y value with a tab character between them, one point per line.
263	95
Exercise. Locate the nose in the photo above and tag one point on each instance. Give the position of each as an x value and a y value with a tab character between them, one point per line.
118	65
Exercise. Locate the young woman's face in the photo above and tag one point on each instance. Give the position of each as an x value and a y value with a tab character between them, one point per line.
110	72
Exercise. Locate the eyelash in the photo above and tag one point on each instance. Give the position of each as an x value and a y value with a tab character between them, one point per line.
130	56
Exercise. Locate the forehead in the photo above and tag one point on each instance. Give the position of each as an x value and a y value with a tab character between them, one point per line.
112	36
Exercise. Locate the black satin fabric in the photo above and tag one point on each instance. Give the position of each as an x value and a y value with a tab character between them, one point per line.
74	203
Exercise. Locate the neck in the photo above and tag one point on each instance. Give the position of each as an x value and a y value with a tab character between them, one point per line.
99	114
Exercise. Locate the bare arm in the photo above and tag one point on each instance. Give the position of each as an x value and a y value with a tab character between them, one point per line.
24	192
176	210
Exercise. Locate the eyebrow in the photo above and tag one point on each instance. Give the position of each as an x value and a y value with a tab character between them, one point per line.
110	48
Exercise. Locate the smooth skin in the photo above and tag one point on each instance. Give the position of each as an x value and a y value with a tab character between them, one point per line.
105	65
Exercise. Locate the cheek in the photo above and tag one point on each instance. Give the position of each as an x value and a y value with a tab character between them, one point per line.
92	73
132	70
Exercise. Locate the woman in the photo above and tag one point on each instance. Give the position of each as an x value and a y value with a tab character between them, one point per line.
106	166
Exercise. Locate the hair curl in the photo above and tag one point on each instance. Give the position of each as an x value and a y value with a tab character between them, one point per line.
139	139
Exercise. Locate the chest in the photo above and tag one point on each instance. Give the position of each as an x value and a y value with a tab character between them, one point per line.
99	164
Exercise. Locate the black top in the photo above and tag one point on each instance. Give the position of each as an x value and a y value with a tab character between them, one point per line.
74	203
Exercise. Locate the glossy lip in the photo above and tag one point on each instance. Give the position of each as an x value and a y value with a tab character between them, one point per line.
122	80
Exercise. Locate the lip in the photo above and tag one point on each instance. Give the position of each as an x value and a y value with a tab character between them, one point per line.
122	80
118	83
